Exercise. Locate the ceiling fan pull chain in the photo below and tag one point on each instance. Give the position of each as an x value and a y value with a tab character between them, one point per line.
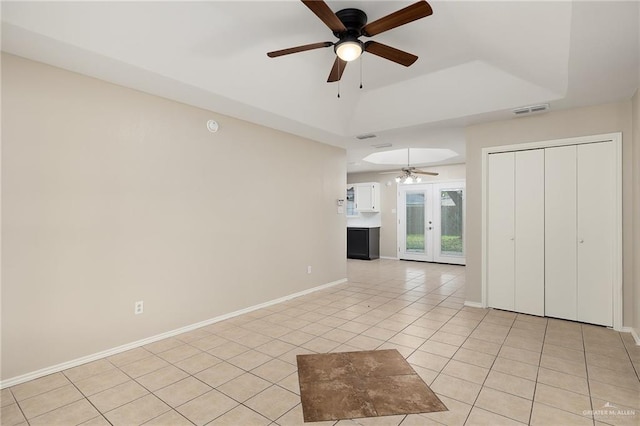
361	71
338	80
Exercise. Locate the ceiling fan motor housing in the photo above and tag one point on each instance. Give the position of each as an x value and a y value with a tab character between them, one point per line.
354	20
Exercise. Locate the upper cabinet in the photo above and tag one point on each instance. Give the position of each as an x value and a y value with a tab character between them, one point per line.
363	198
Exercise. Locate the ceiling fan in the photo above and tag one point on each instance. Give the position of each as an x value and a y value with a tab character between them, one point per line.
348	25
408	174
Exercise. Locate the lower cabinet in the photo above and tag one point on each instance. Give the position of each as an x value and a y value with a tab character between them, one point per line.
363	243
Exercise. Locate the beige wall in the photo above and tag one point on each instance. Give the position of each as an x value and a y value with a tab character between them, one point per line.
593	120
110	196
388	196
636	211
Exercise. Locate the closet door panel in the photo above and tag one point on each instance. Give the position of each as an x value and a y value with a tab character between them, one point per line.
529	232
500	232
595	232
560	233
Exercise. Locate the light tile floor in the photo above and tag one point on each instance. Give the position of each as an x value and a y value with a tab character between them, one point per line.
489	367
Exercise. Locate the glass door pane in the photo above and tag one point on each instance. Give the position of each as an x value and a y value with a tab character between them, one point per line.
451	222
415	217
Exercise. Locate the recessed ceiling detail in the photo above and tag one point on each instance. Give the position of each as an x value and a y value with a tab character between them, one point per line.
418	156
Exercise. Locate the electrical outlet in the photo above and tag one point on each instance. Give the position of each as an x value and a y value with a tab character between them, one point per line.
309	269
138	307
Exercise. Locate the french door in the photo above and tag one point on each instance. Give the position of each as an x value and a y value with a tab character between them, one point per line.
431	222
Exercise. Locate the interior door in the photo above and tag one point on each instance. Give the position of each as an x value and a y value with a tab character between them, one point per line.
431	222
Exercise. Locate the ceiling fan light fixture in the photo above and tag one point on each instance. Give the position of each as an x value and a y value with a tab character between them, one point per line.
407	177
349	49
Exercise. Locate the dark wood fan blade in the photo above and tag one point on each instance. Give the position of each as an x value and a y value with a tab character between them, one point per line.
336	71
420	172
297	49
326	15
417	10
391	53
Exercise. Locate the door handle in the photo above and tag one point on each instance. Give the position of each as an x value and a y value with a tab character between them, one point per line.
581	241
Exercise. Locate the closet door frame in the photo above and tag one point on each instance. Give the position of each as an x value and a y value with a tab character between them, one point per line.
616	139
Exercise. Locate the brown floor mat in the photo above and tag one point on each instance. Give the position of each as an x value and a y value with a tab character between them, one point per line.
349	385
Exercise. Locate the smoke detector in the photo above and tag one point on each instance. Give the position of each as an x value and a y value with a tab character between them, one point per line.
530	109
213	126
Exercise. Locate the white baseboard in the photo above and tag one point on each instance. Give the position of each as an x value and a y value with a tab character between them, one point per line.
634	333
388	257
103	354
473	304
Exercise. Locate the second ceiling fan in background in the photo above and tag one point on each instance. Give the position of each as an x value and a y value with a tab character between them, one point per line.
348	25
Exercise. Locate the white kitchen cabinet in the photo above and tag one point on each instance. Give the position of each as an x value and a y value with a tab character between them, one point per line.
366	197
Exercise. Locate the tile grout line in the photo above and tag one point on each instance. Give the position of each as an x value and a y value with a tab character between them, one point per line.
85	396
586	366
535	383
485	379
18	405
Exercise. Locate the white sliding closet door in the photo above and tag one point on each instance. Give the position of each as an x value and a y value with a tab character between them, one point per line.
501	231
596	228
561	280
529	232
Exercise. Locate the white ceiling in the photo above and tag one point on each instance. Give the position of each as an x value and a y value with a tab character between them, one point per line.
477	61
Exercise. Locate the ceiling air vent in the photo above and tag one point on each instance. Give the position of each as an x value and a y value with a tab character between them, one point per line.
382	145
531	109
366	136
